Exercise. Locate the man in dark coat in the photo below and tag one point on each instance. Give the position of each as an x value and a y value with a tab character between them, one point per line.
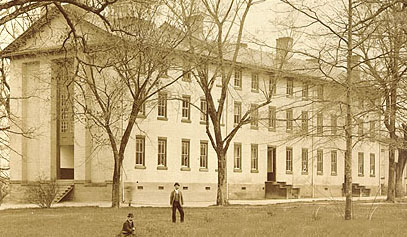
128	226
177	201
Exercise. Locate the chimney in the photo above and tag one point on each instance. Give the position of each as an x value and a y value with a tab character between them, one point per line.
195	25
284	46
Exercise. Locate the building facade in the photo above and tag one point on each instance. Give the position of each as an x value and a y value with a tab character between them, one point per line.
293	147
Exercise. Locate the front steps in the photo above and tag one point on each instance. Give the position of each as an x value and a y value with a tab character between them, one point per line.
357	190
281	190
63	191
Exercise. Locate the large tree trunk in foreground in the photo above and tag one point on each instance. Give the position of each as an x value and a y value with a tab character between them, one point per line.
221	197
399	174
116	184
392	168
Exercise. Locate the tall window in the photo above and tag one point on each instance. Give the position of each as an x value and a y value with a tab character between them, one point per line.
140	150
238	78
254	116
289	160
273	85
142	111
290	87
185	153
186	107
360	128
203	158
255	157
237	112
238	156
305	91
186	73
320	124
334	162
255	82
289	118
320	92
272	118
204	110
304	161
162	105
372	129
334	124
372	165
320	162
361	164
304	121
162	152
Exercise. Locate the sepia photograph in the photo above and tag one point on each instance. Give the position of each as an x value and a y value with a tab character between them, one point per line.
203	118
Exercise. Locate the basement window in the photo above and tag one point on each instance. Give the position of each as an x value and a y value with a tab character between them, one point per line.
160	187
140	187
184	188
207	188
243	188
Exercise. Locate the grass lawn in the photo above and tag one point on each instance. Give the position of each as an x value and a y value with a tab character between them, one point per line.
275	220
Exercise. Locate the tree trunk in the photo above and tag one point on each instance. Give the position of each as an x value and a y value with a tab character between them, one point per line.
401	164
221	197
116	183
391	181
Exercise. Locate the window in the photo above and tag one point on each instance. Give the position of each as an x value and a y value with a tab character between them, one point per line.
238	156
142	111
320	124
162	152
254	116
372	165
320	92
304	161
360	128
273	85
334	124
320	162
140	151
290	87
238	78
255	157
186	107
289	118
289	160
186	73
204	110
361	164
237	112
304	121
185	153
162	105
272	118
334	162
372	129
305	90
203	158
255	82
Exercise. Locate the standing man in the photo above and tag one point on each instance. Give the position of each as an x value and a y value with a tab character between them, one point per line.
177	201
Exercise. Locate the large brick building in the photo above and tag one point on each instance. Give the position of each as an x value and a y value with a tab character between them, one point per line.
293	147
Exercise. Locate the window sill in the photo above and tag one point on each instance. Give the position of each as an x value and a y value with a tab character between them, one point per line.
185	120
142	116
334	174
216	170
288	172
320	173
186	80
162	118
218	85
254	127
289	96
203	169
237	88
361	175
203	122
237	170
255	90
161	167
272	129
289	131
372	175
140	167
222	124
254	171
304	173
185	169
